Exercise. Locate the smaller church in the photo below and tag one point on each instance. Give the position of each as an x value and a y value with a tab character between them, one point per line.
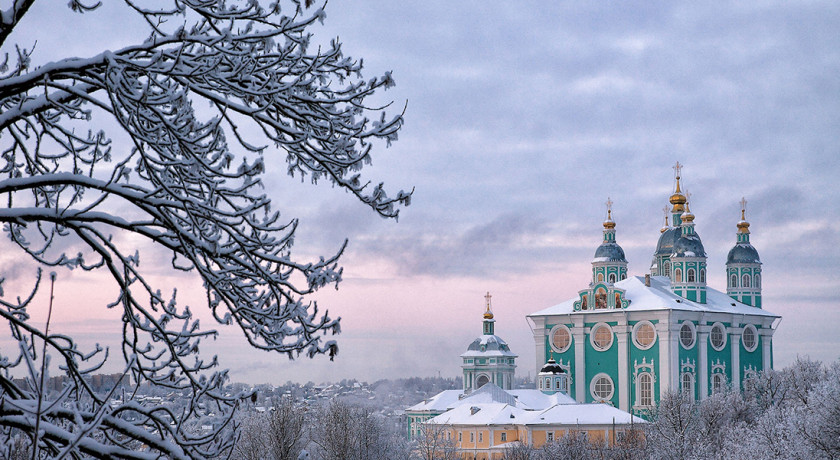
488	415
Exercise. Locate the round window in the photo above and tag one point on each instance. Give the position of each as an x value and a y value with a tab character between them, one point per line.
718	337
750	338
687	335
644	335
602	337
602	387
561	338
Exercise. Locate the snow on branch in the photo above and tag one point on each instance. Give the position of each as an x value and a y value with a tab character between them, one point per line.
187	181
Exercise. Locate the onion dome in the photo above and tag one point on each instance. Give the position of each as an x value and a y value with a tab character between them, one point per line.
609	250
743	252
488	343
551	367
667	240
688	244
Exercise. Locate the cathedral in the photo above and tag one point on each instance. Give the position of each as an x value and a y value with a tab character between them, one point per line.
628	340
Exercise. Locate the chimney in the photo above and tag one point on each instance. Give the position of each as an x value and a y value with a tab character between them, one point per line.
647	280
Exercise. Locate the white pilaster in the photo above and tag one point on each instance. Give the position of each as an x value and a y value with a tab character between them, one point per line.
539	343
703	364
581	385
621	333
766	349
674	353
665	370
735	347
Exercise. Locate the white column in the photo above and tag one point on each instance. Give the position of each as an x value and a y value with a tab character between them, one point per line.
703	364
674	354
735	348
621	333
766	349
580	361
539	343
664	366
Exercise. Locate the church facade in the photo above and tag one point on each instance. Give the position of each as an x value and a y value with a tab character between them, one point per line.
628	340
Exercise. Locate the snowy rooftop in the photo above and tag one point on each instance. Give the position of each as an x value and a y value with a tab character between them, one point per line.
561	414
488	345
526	399
658	296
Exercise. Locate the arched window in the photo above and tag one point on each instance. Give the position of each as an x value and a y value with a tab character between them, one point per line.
678	275
691	277
644	390
600	277
718	383
758	281
617	300
482	380
687	384
583	304
624	276
557	385
733	280
745	280
667	271
612	277
702	275
600	299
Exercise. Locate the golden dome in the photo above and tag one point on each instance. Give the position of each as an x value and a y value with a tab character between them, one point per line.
609	223
743	225
487	313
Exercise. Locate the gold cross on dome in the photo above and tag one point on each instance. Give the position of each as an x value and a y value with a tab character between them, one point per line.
609	204
743	208
487	298
665	212
677	168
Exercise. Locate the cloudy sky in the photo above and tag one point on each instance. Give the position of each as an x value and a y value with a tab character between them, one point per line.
522	118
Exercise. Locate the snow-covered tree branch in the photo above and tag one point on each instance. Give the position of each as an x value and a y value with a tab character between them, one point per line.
213	92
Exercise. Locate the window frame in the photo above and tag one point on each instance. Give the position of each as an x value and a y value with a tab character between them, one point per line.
553	331
636	341
754	331
593	332
640	402
683	389
723	335
593	385
693	335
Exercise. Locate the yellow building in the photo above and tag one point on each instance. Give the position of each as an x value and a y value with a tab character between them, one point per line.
484	424
483	420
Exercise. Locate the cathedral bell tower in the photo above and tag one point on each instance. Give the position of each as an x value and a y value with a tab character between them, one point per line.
488	358
743	267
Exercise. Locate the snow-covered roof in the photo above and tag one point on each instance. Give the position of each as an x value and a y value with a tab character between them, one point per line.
488	345
482	414
561	414
440	402
658	296
526	399
583	414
